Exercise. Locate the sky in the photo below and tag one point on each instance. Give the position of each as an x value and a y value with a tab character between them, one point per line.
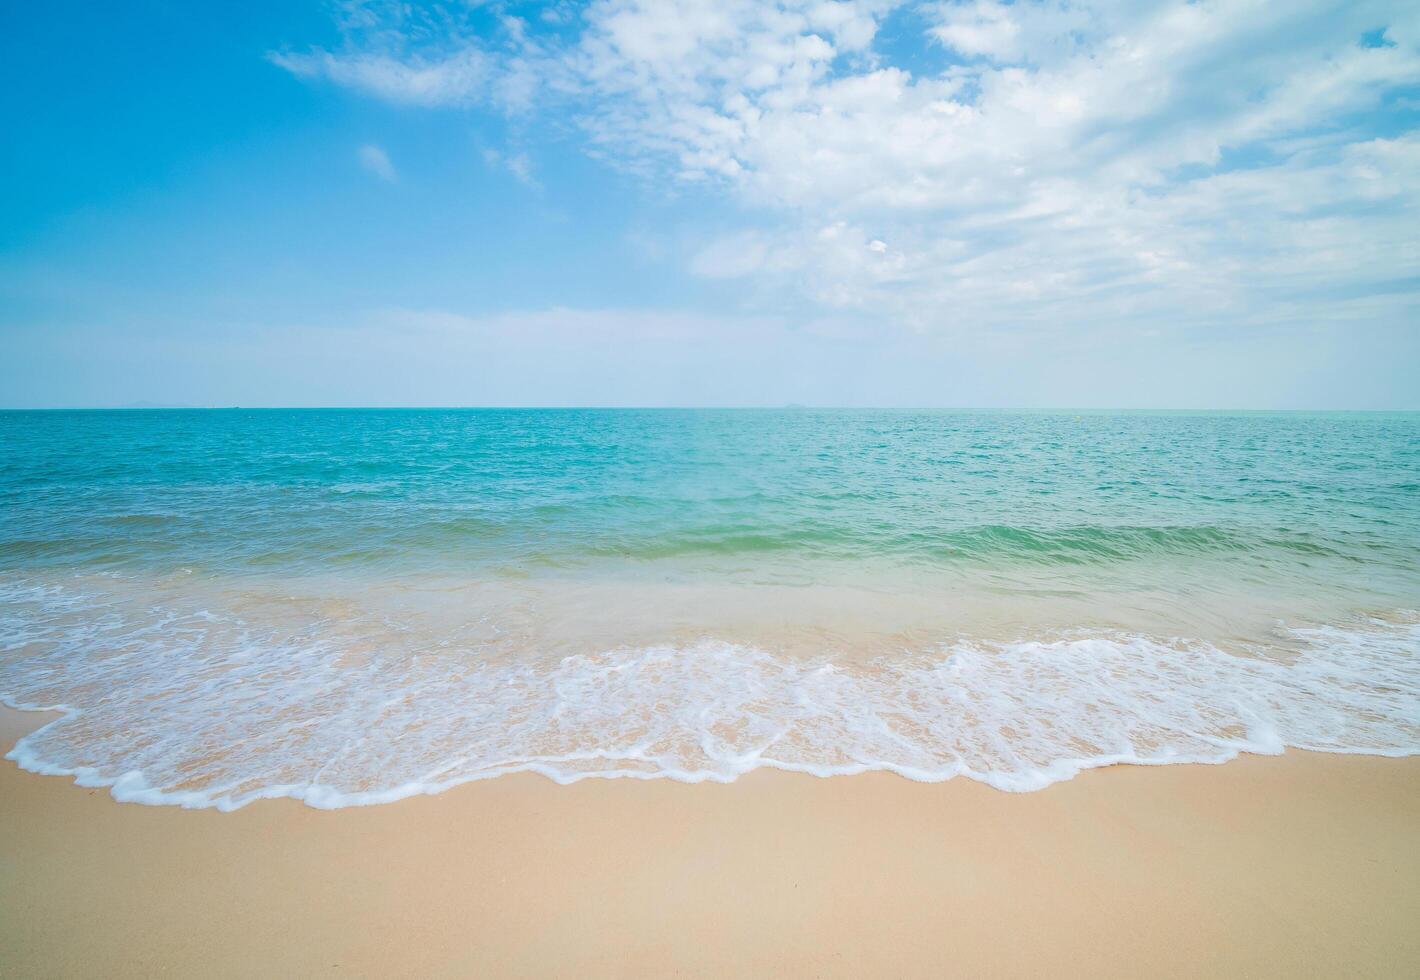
1044	203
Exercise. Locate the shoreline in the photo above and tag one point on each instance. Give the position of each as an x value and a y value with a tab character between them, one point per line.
1301	864
1016	716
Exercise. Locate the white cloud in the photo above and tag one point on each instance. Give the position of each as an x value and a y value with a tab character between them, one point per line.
692	82
518	164
462	77
1066	162
984	27
1049	183
377	161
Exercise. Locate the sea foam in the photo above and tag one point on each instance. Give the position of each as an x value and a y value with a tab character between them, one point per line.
199	709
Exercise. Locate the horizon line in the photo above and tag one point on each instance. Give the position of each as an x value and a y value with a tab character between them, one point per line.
787	406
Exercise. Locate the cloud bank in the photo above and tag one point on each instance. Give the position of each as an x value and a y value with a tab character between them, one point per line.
957	166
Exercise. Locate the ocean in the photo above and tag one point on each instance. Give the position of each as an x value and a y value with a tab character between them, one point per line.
353	606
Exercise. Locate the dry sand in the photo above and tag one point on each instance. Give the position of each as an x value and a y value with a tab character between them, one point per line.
1303	865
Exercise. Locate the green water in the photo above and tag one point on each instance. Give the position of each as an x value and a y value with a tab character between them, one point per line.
236	490
513	540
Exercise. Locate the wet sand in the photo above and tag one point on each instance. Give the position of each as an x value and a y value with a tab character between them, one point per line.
1299	865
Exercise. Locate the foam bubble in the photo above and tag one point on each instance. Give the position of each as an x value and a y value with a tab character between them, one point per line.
204	708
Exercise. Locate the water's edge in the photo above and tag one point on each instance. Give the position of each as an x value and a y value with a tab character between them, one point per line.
1017	717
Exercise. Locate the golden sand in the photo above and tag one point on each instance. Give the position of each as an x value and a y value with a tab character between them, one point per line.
1303	865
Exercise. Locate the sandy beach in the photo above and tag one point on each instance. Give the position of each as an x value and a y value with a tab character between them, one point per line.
674	488
1300	865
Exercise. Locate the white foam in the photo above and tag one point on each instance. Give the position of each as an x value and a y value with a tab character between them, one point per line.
204	709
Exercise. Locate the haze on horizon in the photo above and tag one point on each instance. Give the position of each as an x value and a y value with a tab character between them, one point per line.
628	202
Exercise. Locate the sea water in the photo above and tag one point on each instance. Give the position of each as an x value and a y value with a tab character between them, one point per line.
349	607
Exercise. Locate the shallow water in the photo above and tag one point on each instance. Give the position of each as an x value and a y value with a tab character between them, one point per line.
351	606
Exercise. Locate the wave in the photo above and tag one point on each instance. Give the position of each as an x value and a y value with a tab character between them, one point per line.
1073	545
345	538
201	709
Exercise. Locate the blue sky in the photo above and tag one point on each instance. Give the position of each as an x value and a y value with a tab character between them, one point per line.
1082	204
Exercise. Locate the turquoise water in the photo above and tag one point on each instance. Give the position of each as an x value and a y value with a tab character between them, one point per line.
669	593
